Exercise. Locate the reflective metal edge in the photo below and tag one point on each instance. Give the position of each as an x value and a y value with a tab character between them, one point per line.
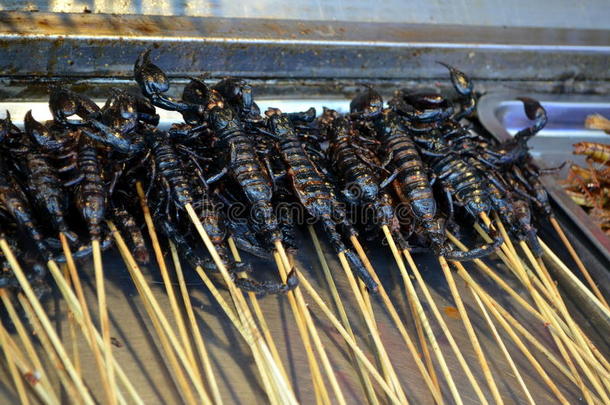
94	45
487	108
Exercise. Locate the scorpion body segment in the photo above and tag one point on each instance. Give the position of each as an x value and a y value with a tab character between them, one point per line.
91	191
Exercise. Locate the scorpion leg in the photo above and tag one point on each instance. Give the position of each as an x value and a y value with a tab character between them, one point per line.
478	252
389	179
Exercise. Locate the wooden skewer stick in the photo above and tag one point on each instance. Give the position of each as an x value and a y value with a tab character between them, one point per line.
99	361
28	345
167	337
431	383
258	312
470	331
386	365
72	327
503	348
349	340
418	327
241	326
518	342
48	349
197	337
104	319
588	358
557	333
367	312
330	282
282	266
545	309
169	289
12	367
578	261
510	321
316	375
24	369
450	339
420	311
572	374
46	323
78	305
252	334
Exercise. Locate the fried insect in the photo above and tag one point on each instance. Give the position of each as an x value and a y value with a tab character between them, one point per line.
310	187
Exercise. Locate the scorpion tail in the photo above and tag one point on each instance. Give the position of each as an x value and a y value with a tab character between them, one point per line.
360	271
477	252
534	111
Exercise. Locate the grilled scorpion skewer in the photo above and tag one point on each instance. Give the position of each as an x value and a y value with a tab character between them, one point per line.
311	188
207	107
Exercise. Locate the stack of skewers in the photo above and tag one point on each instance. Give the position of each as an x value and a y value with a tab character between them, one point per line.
411	174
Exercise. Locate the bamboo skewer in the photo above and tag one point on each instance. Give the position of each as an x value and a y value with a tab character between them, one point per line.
349	340
578	261
282	264
253	335
104	319
449	336
503	348
46	324
199	344
169	289
386	365
526	305
470	331
430	382
76	300
169	341
518	342
560	265
28	345
99	361
298	308
510	320
72	327
17	379
427	328
367	312
24	370
557	333
47	346
362	375
418	327
239	324
258	312
577	334
572	374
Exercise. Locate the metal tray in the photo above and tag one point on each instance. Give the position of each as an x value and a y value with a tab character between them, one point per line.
144	362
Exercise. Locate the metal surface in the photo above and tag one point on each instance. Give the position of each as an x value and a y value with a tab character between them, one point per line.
95	45
503	116
533	13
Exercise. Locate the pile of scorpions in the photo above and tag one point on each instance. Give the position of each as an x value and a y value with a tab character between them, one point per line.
72	174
